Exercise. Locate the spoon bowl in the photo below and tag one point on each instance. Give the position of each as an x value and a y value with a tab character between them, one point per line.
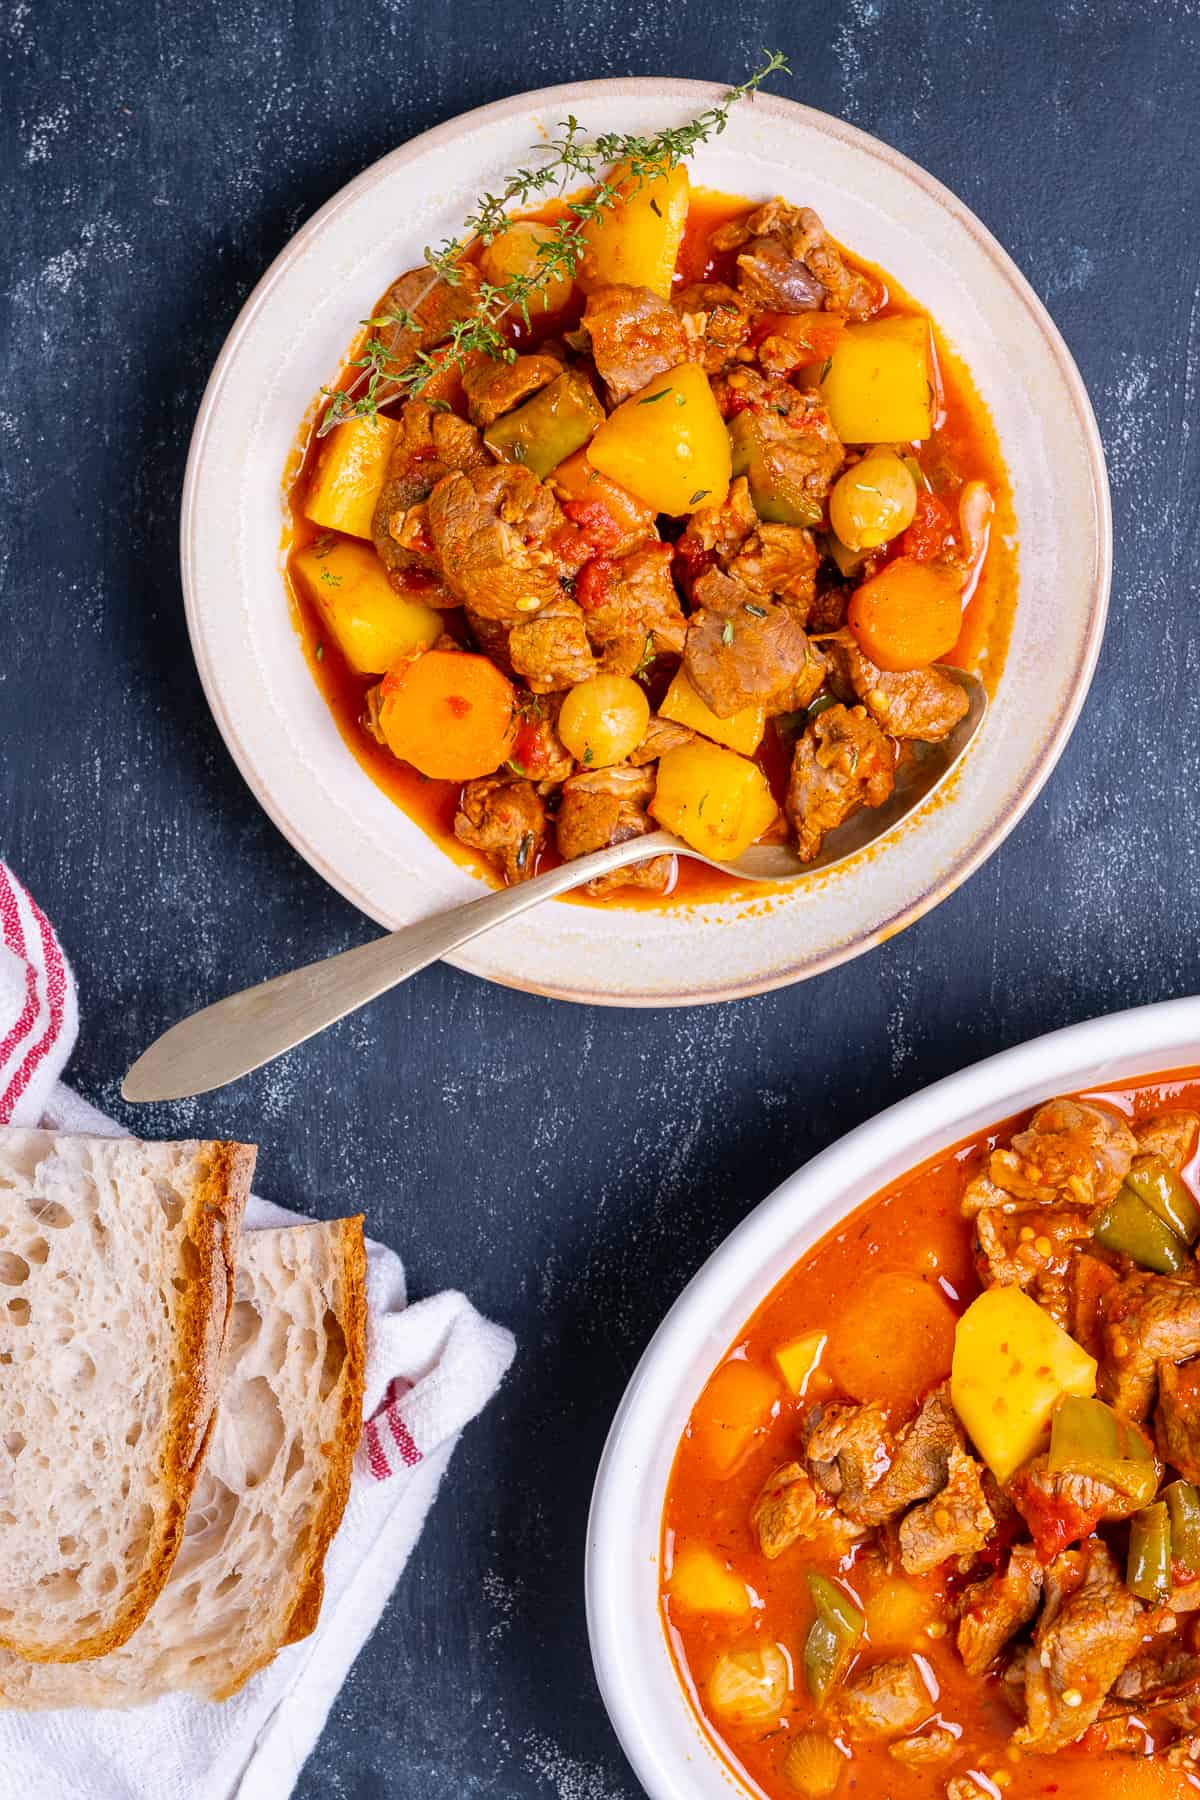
240	1033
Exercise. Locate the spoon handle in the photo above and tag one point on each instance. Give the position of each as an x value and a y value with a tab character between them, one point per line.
240	1033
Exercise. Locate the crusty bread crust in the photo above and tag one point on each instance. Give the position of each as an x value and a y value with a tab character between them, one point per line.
214	1214
310	1578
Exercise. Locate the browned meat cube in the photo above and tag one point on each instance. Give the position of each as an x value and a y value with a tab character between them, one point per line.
744	650
1148	1319
551	648
716	322
433	305
1177	1422
428	445
661	735
921	1461
497	533
714	534
1073	1149
607	806
843	762
789	1509
1090	1627
849	1449
494	387
1062	1508
796	450
956	1522
1171	1135
887	1700
1089	1283
630	607
1035	1248
779	560
635	336
911	703
504	817
790	264
993	1610
937	1745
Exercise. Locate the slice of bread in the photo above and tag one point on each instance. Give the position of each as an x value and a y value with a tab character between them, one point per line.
248	1578
116	1287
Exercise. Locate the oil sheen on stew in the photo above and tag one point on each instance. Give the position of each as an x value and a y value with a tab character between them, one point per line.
768	549
934	1528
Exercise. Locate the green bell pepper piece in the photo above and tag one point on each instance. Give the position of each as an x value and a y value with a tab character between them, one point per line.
832	1636
1156	1183
550	427
777	497
1148	1571
1183	1504
1088	1438
1127	1225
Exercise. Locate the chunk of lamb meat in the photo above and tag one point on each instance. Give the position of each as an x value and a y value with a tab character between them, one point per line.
716	322
1177	1420
1090	1627
1034	1248
935	1746
911	703
842	763
957	1522
1073	1149
745	650
493	387
1148	1319
504	817
608	806
794	437
1171	1135
635	336
661	735
993	1610
434	307
630	607
714	534
497	534
539	752
887	1700
790	1510
921	1461
779	560
1089	1283
551	649
1063	1508
849	1449
788	263
428	445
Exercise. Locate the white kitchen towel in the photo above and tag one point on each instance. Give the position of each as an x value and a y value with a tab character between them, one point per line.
430	1368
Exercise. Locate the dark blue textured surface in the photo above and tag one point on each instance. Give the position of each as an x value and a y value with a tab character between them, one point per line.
569	1168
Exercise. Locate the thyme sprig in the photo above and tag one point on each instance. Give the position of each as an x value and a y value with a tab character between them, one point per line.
382	374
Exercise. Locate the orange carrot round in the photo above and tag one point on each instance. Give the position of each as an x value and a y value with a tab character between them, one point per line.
451	715
892	1342
907	616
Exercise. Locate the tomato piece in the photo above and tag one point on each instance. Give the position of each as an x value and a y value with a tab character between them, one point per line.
931	529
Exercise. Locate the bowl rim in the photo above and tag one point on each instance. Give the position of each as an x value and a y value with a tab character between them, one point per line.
978	848
1114	1048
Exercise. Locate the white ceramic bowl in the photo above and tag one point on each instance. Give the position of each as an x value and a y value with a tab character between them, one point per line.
662	1736
290	339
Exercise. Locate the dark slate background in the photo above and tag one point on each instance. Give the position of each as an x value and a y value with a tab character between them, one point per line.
569	1168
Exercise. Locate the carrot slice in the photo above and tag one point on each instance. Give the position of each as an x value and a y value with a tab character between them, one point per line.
907	616
892	1342
451	715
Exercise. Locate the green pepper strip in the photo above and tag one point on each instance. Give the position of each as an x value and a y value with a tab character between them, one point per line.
1183	1504
1128	1225
1156	1183
1088	1438
832	1636
1148	1573
776	497
550	427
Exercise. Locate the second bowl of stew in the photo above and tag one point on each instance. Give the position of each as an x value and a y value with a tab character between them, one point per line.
685	543
904	1498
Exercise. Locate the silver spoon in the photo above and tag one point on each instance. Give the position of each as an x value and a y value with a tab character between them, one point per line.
238	1034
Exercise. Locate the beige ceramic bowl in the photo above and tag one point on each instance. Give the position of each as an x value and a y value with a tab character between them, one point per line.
289	340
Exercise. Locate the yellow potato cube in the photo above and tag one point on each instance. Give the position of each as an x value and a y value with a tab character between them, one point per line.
668	445
1012	1365
799	1358
898	1613
349	474
879	385
742	731
371	624
637	240
701	1584
714	800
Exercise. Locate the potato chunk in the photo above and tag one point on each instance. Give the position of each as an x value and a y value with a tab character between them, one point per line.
701	1584
637	241
683	706
879	389
668	445
714	800
371	624
1012	1365
349	474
